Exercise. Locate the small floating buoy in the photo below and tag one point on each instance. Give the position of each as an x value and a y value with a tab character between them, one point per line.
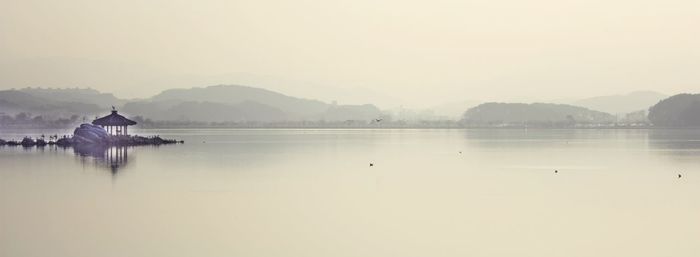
556	171
679	176
371	164
460	152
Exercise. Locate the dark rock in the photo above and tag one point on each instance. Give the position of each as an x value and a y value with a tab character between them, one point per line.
139	140
41	142
3	142
90	134
64	142
27	142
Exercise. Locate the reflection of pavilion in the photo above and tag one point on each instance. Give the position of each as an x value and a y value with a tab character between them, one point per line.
114	157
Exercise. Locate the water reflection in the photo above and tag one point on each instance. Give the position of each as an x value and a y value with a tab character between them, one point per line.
678	145
314	189
541	138
674	139
112	158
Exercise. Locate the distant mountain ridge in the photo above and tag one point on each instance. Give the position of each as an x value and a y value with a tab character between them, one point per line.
221	103
16	101
236	94
78	95
216	112
243	103
622	104
536	113
236	103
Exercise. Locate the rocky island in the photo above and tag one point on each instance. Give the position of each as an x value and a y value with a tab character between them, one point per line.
110	130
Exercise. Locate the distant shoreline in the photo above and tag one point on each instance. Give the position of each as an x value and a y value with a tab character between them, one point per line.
369	127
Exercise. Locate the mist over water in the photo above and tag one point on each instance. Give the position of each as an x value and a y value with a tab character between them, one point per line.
312	193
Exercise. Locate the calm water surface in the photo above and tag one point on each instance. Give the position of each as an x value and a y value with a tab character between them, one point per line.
312	193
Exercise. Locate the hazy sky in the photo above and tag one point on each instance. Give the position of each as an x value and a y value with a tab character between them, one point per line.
420	52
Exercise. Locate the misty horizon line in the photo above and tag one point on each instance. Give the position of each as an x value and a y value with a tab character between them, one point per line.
558	100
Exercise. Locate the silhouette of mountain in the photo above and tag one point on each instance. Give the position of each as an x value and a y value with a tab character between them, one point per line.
235	94
205	111
622	104
210	104
242	103
76	95
536	113
235	103
16	101
676	111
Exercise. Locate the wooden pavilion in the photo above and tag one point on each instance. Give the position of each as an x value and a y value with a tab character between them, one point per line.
114	123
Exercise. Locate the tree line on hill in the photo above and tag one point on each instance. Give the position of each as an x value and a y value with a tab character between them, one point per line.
534	115
681	110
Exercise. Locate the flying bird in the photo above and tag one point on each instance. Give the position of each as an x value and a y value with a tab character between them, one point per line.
371	164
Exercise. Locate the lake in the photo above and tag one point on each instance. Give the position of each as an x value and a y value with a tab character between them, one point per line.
287	192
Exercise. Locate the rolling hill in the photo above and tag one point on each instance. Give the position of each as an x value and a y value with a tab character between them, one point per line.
622	104
536	113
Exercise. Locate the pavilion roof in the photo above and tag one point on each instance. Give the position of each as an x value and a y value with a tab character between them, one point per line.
114	119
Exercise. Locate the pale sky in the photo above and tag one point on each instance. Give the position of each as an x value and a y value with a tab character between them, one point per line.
392	51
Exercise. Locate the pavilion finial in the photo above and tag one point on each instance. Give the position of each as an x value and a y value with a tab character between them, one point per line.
113	108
